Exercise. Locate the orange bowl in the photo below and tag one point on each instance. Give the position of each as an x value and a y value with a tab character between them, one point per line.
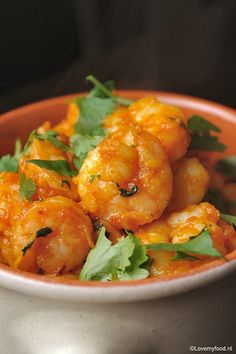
20	122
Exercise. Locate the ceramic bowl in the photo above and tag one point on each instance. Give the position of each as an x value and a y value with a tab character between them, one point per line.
171	315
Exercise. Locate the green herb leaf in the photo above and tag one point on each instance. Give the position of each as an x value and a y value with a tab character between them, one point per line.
92	112
201	244
96	105
115	262
26	150
44	232
9	163
200	129
105	91
128	193
40	233
78	161
27	247
206	143
52	136
181	255
227	166
82	144
27	187
198	124
230	219
59	166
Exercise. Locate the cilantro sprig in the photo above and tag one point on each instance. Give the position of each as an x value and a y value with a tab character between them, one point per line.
82	144
122	261
199	245
93	108
96	105
27	187
9	163
128	259
52	136
201	138
61	167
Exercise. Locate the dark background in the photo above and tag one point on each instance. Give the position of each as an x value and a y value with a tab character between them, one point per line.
48	47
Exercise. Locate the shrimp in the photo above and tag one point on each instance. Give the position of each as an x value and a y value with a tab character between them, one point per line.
191	182
126	185
178	227
164	121
11	204
49	183
66	245
66	126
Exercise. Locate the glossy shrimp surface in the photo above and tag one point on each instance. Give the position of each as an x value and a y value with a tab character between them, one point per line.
64	248
165	122
178	227
49	183
114	166
66	126
191	182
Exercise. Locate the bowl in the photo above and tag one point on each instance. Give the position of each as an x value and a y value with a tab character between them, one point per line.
171	315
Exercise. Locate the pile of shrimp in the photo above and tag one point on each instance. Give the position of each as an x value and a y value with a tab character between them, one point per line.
144	151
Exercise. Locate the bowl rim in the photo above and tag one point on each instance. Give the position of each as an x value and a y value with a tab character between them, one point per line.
123	291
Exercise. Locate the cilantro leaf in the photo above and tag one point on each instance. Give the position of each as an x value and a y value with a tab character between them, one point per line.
199	245
26	149
200	130
198	124
137	261
206	143
230	219
227	166
40	233
52	136
115	262
96	105
105	91
92	112
27	187
43	232
81	145
59	166
9	163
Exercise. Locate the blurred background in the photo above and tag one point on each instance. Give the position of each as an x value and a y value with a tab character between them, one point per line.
49	46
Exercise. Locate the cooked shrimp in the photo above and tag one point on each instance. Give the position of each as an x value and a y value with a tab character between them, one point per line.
164	121
11	205
65	247
49	183
66	126
114	166
177	228
191	182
